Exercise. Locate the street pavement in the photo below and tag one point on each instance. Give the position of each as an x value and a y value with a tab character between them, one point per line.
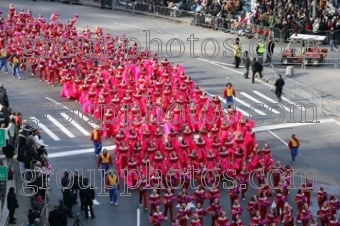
69	146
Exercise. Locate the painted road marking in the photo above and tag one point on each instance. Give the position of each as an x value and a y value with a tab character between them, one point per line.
250	107
257	101
45	129
61	127
290	125
270	100
81	129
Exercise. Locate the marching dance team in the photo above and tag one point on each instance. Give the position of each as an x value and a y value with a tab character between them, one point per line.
163	125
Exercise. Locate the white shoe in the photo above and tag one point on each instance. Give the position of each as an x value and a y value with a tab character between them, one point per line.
111	202
166	218
116	204
244	199
140	204
96	155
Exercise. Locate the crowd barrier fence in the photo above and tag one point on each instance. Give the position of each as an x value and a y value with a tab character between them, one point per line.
200	19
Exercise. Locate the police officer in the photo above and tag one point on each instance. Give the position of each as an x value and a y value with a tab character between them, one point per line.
237	54
3	60
87	194
67	193
260	51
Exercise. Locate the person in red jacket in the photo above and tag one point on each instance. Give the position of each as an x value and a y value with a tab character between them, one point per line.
105	161
97	141
294	145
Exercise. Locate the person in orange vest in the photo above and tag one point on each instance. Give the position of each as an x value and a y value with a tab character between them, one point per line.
112	183
105	161
294	145
96	138
229	94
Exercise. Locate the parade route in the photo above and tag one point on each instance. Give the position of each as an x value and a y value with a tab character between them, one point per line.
68	140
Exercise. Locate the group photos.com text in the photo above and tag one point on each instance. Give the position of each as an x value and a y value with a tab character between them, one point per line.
174	179
91	48
154	113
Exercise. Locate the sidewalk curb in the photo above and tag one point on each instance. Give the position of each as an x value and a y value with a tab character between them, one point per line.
9	183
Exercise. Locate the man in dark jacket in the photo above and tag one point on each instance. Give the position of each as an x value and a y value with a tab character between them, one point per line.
55	217
256	67
67	193
23	151
35	214
12	204
88	196
75	188
3	96
278	87
270	50
9	153
64	212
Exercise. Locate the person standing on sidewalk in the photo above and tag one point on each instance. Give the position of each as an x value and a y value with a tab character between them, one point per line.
12	204
294	145
229	94
246	61
97	141
332	38
105	161
278	87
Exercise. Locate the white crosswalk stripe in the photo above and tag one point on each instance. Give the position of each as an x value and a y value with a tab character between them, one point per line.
58	124
81	125
45	129
257	101
269	99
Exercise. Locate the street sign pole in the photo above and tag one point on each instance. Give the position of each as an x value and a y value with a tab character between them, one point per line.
2	137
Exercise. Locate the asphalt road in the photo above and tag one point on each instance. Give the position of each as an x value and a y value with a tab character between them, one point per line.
69	145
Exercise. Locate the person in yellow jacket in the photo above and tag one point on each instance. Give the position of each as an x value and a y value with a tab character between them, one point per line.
260	51
229	94
112	184
3	60
105	161
16	66
237	54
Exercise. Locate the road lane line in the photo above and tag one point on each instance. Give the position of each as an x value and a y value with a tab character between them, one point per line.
138	217
45	129
257	101
78	152
270	100
60	126
290	125
81	129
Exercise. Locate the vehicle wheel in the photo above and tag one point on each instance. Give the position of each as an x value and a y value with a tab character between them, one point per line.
306	61
315	62
284	60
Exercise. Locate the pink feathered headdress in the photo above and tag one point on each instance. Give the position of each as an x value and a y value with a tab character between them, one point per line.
0	11
76	15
